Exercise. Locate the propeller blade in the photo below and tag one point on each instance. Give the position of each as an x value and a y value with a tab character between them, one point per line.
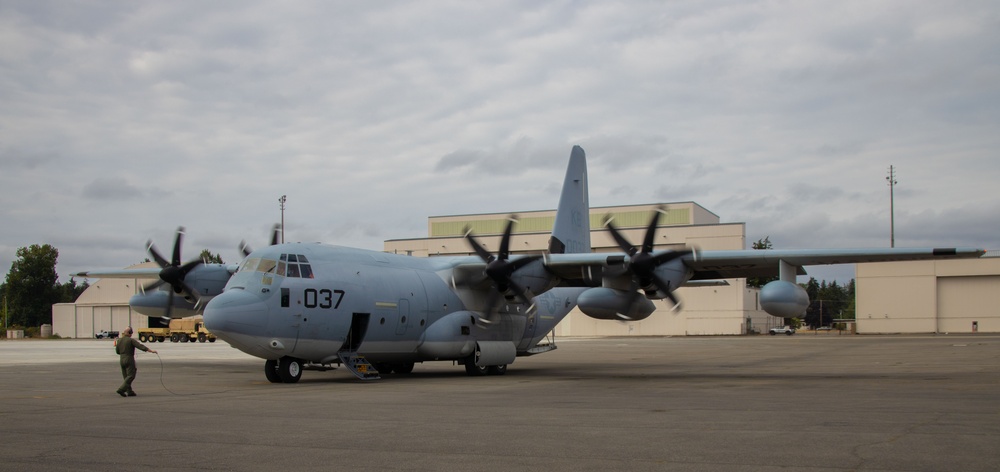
478	248
176	261
505	240
275	234
647	242
623	243
151	249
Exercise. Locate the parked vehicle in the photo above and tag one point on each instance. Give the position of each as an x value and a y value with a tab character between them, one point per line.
181	330
782	330
105	334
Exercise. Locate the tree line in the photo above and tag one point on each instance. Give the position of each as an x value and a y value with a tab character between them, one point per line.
32	286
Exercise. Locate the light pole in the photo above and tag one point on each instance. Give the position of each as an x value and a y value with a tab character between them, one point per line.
891	179
281	203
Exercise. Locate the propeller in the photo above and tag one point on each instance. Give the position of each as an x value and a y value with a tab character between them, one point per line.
245	248
173	272
643	262
500	269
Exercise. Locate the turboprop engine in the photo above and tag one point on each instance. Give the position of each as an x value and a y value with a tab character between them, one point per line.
605	303
784	299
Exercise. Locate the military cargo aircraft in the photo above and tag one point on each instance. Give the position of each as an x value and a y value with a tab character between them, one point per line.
314	306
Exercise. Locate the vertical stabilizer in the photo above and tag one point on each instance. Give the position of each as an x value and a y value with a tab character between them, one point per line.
571	232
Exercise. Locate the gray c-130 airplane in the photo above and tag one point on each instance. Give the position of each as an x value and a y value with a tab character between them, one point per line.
309	306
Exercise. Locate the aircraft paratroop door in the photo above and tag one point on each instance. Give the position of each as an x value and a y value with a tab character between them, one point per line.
403	314
359	327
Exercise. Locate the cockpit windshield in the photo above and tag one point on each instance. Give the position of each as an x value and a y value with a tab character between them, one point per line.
288	265
296	265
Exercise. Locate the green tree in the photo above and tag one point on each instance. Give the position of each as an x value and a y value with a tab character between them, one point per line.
32	285
210	258
70	291
758	282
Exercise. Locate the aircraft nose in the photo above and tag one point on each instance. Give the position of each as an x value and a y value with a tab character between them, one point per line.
235	311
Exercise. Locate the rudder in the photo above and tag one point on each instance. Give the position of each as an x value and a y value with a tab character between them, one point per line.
571	231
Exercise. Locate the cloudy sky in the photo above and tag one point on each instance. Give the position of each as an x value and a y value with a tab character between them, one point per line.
121	121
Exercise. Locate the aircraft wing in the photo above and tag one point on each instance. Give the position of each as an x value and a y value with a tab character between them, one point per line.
134	273
710	265
139	273
764	263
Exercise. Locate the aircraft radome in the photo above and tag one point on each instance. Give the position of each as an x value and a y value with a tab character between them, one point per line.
310	306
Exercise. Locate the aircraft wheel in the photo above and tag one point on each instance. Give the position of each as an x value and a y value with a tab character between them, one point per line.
472	369
383	368
289	369
271	371
404	368
497	369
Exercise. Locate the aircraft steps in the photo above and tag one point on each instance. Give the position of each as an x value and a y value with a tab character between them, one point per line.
358	365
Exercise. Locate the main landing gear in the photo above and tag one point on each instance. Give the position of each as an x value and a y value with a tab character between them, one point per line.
476	371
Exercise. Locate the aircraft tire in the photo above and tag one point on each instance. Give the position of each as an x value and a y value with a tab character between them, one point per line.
271	371
404	368
289	369
497	369
472	369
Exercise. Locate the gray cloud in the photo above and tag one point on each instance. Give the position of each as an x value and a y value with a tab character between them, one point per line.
372	116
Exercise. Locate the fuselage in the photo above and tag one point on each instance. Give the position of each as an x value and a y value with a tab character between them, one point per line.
313	301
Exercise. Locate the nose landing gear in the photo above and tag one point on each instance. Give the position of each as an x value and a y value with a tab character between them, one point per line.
284	370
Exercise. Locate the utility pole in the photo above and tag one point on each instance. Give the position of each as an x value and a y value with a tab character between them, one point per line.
281	203
891	179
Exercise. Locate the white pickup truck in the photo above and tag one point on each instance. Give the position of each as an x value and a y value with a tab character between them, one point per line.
105	334
784	329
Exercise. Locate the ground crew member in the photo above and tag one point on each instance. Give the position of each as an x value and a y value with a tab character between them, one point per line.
125	347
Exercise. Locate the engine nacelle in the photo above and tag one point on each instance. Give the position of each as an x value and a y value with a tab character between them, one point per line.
784	299
533	277
610	304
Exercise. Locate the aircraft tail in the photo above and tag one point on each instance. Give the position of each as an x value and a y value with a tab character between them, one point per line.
571	231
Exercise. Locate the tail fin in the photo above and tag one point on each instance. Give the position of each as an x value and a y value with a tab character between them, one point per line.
571	231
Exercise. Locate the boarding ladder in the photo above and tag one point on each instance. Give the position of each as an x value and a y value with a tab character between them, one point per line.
358	365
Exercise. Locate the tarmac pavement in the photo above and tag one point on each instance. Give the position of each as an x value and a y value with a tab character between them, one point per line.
756	403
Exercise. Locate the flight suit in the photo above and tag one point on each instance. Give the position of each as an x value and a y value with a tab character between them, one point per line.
126	347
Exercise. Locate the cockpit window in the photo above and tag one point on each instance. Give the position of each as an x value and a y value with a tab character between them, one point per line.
249	264
296	266
267	265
